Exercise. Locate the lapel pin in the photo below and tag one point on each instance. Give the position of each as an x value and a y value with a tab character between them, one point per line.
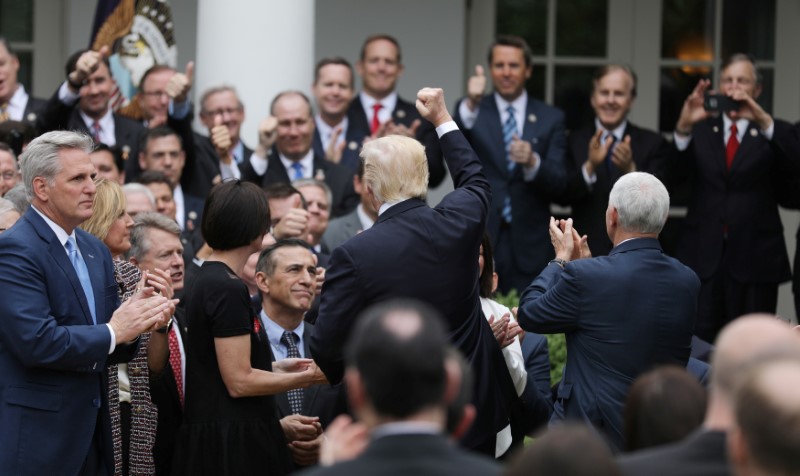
320	175
753	132
352	145
400	114
31	117
126	151
91	256
193	215
716	129
216	179
532	118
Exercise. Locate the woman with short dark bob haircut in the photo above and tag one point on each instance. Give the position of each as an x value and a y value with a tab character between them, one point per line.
229	423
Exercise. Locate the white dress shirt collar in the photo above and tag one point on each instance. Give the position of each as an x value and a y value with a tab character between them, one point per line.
307	162
389	103
274	333
741	128
617	132
366	220
17	103
520	106
61	234
180	206
106	127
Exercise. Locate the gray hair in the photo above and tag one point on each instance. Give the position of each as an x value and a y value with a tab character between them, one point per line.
19	198
7	206
642	202
300	183
140	244
134	188
41	158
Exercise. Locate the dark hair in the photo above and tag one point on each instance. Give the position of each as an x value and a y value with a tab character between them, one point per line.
154	176
290	92
73	60
485	280
571	448
381	36
266	262
5	43
156	68
333	60
280	190
16	134
736	57
235	214
115	152
516	42
402	374
157	133
609	68
663	406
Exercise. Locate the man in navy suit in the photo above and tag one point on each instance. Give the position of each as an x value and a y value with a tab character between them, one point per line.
521	142
378	110
622	313
333	89
600	153
15	103
290	129
60	324
82	103
733	236
286	276
424	253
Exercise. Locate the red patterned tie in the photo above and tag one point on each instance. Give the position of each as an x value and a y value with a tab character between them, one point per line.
175	361
732	147
376	123
96	132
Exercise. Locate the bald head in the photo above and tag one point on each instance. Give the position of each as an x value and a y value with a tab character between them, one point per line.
744	339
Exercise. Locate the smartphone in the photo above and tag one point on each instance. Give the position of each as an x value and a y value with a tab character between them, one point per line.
720	103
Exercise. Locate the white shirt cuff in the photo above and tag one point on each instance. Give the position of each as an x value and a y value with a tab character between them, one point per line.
589	179
448	126
681	142
468	117
66	96
529	173
258	163
113	339
770	131
229	170
179	110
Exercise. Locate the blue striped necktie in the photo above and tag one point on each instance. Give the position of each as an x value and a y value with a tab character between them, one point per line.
297	171
509	130
83	273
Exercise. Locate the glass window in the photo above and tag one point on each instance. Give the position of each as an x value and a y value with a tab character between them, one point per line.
525	18
687	30
573	89
25	73
535	84
16	20
581	28
748	27
676	85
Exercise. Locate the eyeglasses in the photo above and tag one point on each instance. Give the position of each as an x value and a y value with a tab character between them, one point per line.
222	112
8	175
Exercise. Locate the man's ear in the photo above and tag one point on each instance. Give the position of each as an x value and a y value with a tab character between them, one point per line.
356	394
40	188
262	282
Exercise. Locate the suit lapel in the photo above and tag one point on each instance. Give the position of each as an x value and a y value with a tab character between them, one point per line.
749	140
494	127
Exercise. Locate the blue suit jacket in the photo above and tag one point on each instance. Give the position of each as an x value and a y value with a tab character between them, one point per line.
52	357
430	254
530	201
622	314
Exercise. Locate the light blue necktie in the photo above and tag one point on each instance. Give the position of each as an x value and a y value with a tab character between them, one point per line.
297	171
509	130
83	273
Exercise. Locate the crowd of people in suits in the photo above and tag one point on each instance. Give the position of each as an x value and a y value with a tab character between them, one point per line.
180	303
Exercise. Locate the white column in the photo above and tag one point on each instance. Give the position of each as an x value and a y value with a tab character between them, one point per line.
259	47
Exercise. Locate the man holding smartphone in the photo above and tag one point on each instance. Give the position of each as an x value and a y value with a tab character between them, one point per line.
740	162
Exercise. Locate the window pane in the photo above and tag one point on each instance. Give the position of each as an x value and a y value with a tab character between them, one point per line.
767	89
748	27
16	20
573	88
535	84
676	85
525	18
581	28
687	29
25	69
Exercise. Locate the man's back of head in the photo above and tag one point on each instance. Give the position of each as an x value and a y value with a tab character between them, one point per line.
397	350
395	168
641	203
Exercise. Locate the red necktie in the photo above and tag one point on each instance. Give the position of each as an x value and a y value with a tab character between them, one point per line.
96	132
175	360
733	145
375	121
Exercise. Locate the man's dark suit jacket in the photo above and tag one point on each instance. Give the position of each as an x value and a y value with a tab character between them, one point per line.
59	116
404	113
703	453
53	359
338	178
164	393
323	401
744	199
530	201
34	108
415	251
650	153
622	314
352	148
416	454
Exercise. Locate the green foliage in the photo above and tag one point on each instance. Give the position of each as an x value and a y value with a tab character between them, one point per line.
555	342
